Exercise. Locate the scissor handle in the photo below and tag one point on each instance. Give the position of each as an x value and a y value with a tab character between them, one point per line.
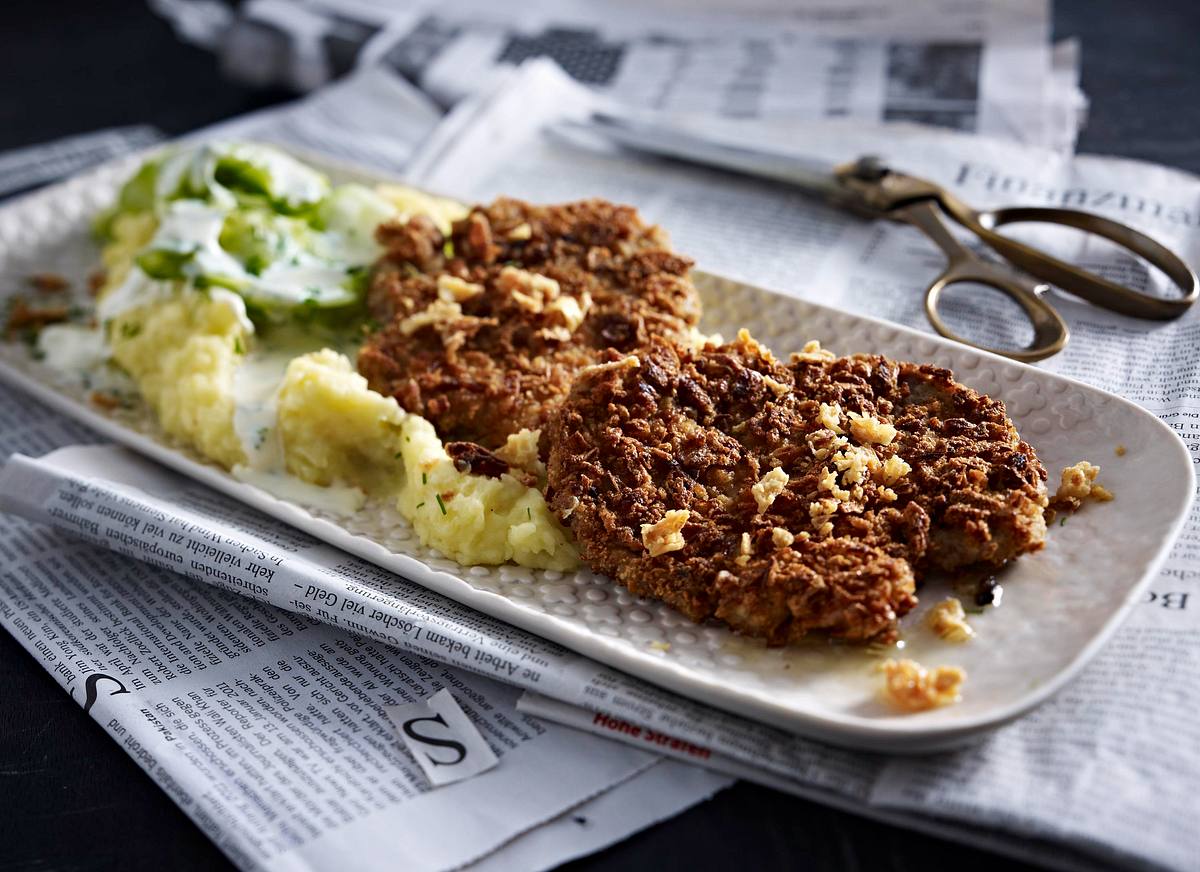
1080	282
1050	332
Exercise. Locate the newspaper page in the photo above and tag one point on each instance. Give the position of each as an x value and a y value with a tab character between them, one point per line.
1102	738
268	728
981	67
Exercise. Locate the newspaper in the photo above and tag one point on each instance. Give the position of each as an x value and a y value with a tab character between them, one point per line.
981	67
1070	784
270	729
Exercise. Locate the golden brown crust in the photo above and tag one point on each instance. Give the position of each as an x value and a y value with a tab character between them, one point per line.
792	526
495	346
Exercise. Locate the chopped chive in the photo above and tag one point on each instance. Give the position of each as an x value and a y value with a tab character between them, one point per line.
1063	521
529	513
424	478
237	345
420	504
397	455
441	505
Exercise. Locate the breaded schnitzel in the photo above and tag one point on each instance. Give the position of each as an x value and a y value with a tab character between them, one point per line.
484	332
787	499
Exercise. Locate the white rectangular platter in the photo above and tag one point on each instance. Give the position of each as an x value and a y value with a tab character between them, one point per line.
1059	607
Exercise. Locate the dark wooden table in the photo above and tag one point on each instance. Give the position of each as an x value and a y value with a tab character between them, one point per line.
70	799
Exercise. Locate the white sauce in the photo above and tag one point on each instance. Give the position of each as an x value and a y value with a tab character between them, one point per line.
335	499
256	385
235	303
72	350
138	289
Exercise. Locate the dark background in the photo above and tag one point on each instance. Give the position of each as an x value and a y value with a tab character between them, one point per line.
70	799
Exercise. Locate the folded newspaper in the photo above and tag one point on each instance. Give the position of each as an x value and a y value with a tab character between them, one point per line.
1103	775
981	67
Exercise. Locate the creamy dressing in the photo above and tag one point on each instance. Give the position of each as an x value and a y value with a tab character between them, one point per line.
256	384
235	303
72	350
335	499
290	182
137	289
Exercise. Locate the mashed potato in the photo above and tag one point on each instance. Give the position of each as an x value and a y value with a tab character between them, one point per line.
334	429
474	518
182	353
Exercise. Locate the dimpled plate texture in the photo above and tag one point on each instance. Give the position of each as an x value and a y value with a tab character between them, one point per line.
1059	605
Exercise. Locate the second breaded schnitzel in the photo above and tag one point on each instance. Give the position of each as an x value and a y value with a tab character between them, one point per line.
484	332
788	499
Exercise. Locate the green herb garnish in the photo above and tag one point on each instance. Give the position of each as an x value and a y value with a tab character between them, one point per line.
441	505
424	478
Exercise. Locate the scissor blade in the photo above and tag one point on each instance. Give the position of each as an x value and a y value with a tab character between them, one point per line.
811	174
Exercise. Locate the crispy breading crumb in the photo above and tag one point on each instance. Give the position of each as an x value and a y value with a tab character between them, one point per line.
892	470
22	316
753	346
910	687
869	429
628	362
821	513
768	487
949	621
571	310
777	387
49	283
1120	450
520	450
828	482
831	417
855	463
743	550
782	538
452	289
666	535
1078	484
437	313
699	341
813	351
106	401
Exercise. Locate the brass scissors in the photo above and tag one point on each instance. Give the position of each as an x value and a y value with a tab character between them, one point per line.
869	188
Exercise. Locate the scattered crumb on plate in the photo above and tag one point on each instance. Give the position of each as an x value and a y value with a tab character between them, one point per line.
910	687
948	620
